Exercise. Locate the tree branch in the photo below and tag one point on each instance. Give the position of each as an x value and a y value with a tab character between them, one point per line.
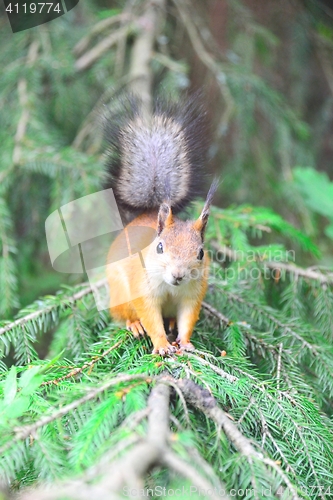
140	72
206	58
98	28
214	312
283	266
216	369
25	431
23	99
198	483
92	55
76	371
200	398
36	314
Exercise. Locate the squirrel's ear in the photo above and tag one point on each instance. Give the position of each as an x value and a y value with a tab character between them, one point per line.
165	217
201	223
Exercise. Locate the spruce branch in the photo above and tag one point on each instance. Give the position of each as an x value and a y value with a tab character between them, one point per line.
216	369
25	431
309	273
266	432
265	312
21	322
155	449
130	470
174	462
80	369
321	355
214	312
277	398
200	398
205	402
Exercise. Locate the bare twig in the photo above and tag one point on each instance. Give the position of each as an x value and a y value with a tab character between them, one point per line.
92	55
121	44
198	482
93	119
278	374
206	58
97	29
325	50
158	418
170	381
168	62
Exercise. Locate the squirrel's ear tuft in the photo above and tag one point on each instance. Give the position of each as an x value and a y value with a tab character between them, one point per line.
201	223
165	217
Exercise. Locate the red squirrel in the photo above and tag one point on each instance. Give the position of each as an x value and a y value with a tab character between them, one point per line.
156	165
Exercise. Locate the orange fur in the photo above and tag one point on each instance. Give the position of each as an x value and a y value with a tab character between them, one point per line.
164	287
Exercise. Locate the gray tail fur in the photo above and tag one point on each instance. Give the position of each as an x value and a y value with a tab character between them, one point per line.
158	158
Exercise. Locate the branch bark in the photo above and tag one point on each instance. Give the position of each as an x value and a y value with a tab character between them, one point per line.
140	72
90	57
201	399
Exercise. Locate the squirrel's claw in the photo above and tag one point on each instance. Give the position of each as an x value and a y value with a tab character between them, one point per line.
135	327
165	349
187	346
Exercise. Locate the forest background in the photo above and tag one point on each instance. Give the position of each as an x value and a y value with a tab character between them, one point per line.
78	393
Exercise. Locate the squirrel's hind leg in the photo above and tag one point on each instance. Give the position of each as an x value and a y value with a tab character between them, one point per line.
188	315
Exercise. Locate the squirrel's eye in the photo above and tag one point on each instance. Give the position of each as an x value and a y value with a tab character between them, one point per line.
201	254
159	248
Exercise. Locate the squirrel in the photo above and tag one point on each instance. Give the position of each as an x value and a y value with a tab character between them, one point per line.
156	166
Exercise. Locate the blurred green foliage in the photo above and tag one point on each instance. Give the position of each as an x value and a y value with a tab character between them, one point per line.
51	115
265	76
317	193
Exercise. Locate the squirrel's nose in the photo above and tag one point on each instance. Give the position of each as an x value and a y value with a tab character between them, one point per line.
178	277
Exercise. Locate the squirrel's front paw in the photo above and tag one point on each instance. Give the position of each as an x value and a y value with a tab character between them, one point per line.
185	346
135	327
164	349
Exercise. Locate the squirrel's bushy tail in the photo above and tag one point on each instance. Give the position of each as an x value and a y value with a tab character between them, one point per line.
157	158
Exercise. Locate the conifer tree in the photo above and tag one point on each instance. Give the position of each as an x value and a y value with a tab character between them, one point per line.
85	410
